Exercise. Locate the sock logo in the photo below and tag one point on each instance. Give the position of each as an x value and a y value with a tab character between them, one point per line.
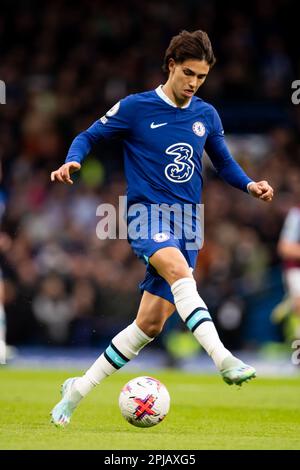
115	357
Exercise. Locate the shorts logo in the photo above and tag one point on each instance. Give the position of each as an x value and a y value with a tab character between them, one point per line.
161	237
112	111
199	128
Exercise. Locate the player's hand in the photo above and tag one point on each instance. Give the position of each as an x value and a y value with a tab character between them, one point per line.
262	190
63	173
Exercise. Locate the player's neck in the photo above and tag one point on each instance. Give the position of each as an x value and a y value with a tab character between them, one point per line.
168	91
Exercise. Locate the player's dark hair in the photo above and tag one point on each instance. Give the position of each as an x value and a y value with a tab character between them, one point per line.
186	45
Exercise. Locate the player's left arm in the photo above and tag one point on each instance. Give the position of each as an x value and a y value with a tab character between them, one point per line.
227	168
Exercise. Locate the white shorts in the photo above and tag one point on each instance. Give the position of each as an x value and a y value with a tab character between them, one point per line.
292	280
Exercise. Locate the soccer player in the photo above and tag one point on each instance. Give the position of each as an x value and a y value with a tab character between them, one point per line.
289	250
164	133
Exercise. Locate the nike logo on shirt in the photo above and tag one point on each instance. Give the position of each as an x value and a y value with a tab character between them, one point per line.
154	126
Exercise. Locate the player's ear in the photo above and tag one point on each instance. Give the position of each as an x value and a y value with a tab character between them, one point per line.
171	65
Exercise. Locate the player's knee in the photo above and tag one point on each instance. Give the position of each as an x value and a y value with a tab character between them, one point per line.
154	330
177	271
151	328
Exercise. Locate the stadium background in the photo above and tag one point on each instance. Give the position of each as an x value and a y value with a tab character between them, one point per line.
64	65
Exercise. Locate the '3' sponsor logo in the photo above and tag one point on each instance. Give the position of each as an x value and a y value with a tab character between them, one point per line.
182	168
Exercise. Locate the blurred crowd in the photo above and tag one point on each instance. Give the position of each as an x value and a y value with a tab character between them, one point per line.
65	64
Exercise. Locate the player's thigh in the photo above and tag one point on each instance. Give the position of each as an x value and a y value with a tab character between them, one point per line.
170	264
153	313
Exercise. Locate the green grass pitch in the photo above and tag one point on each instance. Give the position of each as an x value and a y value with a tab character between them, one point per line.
205	414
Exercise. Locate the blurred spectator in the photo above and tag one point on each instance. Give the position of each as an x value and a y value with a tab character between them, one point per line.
52	309
84	307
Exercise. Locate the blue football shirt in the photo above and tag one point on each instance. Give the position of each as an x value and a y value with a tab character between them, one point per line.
163	146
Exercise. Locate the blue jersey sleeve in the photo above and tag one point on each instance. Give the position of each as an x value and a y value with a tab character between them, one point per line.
115	123
218	152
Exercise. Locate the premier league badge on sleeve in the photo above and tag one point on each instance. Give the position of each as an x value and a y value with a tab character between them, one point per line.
112	111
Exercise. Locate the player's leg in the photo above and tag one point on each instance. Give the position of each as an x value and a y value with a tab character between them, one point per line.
291	324
152	314
290	304
170	263
293	286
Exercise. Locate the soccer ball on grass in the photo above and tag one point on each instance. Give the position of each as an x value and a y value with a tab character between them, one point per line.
144	402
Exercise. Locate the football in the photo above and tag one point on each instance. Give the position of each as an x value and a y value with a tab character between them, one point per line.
144	402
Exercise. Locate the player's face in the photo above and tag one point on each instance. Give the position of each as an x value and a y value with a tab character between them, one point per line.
185	78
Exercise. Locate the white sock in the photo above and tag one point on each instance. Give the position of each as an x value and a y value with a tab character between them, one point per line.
2	336
194	313
123	347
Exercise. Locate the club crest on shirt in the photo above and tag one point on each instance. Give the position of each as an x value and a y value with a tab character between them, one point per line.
199	128
161	237
112	111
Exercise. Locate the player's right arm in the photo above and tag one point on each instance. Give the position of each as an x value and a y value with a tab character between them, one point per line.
116	122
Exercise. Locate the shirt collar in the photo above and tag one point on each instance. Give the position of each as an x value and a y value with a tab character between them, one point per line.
165	98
